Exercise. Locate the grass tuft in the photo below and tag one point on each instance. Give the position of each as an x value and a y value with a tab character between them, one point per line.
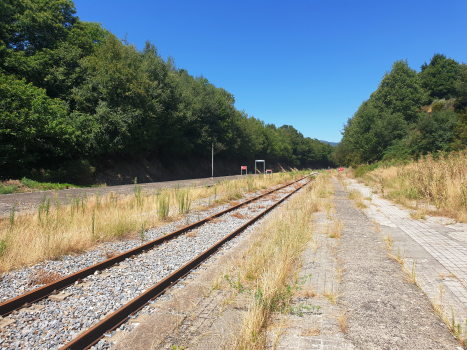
357	197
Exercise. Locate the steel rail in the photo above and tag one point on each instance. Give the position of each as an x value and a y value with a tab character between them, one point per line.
37	294
90	337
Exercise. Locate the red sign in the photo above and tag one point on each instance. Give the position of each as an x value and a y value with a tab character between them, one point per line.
329	170
243	167
268	170
340	169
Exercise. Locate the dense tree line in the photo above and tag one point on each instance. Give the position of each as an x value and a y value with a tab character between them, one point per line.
409	115
70	91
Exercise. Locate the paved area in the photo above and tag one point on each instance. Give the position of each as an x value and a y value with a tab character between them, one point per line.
386	310
377	307
437	247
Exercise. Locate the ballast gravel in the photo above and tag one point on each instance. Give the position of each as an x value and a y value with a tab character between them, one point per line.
51	324
20	281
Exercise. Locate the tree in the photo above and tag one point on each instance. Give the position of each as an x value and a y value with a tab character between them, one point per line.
34	129
461	89
439	76
434	132
400	91
34	25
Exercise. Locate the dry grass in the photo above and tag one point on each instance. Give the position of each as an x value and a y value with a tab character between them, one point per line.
399	257
342	319
343	181
331	294
214	220
57	229
311	332
418	214
305	292
410	271
266	270
109	255
336	229
240	216
44	277
439	185
389	242
357	197
376	226
338	272
449	318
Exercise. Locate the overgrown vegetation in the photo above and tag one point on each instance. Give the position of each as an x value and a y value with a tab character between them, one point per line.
72	94
266	271
27	185
57	229
428	185
409	115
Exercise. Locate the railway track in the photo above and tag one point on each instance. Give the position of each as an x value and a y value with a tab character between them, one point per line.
66	295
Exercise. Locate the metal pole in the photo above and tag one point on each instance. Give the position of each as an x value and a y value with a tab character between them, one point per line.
212	172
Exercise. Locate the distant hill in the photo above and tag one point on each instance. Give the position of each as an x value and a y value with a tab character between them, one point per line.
331	143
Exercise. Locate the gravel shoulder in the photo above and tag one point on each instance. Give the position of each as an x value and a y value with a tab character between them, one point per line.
29	202
386	310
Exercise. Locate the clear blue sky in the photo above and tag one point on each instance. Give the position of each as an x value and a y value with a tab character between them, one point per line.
309	64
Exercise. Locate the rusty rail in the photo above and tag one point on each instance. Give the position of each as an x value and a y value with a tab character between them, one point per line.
87	339
42	292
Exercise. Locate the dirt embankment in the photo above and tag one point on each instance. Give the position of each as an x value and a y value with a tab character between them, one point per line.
122	172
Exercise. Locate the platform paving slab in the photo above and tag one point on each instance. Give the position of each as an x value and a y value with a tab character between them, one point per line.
386	310
437	247
313	322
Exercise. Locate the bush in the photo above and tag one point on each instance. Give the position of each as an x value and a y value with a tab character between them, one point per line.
8	189
363	169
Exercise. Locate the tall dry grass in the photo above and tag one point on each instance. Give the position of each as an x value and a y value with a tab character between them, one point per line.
57	229
440	183
267	270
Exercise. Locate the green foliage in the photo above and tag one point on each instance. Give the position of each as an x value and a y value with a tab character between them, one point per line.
7	189
164	206
434	132
45	186
33	127
439	76
461	89
391	125
361	170
400	92
72	94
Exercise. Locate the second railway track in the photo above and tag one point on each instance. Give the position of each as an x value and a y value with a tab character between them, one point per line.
102	297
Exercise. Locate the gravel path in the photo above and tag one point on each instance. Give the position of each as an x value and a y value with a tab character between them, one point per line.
49	324
386	311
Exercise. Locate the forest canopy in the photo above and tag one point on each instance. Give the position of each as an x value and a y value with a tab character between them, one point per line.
71	91
409	115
